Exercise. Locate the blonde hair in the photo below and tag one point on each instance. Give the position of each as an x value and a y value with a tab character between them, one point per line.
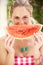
24	3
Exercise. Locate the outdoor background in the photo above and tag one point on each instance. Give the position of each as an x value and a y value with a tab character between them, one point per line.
37	9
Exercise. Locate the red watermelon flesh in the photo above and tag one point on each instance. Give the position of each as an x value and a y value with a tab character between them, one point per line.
23	31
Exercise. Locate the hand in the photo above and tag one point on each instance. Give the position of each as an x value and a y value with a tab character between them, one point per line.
38	43
38	40
9	43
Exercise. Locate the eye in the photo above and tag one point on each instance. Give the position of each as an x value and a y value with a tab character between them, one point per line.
25	17
17	23
16	17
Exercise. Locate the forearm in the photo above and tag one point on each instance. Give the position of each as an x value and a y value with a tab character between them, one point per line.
41	51
37	56
38	60
10	59
3	53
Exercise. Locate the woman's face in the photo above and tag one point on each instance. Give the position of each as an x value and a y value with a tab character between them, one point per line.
21	16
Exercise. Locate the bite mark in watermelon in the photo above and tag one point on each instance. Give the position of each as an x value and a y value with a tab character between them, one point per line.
23	31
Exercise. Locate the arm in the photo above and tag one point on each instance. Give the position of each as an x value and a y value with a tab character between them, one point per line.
41	51
6	52
38	46
37	56
3	53
10	51
38	42
10	59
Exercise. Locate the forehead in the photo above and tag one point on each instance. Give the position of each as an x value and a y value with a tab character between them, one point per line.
20	11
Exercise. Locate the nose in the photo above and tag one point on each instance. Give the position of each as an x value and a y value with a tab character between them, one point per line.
21	22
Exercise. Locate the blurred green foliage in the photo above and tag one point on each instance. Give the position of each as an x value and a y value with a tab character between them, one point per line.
38	10
8	7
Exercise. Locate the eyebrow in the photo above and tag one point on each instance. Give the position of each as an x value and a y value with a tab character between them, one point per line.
25	16
17	17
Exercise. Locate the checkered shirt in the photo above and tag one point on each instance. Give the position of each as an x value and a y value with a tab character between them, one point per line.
24	60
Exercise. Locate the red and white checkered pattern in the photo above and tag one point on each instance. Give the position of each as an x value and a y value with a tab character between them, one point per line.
24	60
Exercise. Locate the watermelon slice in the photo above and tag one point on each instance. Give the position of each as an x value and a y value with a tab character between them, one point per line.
23	31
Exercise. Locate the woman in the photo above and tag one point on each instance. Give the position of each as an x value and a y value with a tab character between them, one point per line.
21	13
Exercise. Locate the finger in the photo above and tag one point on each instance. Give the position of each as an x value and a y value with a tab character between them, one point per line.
39	43
6	39
13	42
10	40
40	33
37	37
40	37
9	49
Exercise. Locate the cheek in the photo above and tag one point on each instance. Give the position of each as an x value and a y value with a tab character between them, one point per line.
28	20
16	21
